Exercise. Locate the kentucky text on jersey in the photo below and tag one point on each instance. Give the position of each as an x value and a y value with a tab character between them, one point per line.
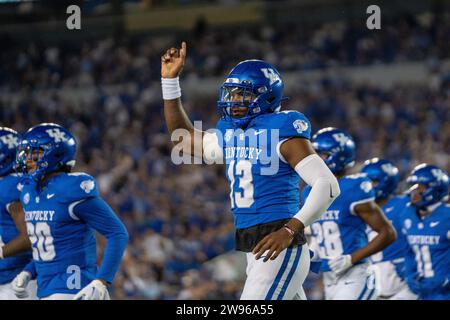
39	215
330	215
242	152
427	240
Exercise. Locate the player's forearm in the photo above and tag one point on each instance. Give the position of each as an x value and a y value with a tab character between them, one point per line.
17	245
324	189
384	238
99	215
112	256
176	117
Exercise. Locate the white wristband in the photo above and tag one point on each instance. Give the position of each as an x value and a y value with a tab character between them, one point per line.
170	88
1	252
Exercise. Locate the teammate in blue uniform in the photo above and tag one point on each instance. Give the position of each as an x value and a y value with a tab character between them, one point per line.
339	234
389	263
266	152
62	212
426	225
14	242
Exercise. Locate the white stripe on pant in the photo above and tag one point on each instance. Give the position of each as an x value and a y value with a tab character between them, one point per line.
279	279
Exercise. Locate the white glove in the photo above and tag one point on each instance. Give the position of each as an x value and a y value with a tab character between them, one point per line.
20	283
339	265
95	290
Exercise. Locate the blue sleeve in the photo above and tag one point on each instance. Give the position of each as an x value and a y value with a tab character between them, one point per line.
294	124
30	267
99	215
305	193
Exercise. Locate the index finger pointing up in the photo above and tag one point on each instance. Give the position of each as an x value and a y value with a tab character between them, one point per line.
183	49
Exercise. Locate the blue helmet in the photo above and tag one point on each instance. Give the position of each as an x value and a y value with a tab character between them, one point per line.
259	81
58	146
9	140
338	145
436	181
385	173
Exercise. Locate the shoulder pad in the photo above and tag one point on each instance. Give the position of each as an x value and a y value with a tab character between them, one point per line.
78	186
292	123
359	184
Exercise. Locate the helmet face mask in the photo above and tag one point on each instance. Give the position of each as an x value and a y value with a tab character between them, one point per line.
254	85
429	185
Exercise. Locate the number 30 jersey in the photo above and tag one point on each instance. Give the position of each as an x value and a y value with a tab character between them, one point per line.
263	186
340	230
58	238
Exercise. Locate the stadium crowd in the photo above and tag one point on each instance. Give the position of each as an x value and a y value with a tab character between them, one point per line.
108	94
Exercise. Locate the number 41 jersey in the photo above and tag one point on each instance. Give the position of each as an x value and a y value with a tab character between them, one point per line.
340	230
264	187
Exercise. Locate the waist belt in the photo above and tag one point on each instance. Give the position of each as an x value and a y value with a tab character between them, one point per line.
248	238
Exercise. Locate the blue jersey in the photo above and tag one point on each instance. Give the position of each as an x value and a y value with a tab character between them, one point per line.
396	251
264	187
10	192
340	230
427	263
61	221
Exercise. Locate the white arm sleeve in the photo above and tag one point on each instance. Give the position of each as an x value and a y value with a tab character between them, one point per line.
324	188
212	152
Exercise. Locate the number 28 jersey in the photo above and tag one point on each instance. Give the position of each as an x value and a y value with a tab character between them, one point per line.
340	230
263	186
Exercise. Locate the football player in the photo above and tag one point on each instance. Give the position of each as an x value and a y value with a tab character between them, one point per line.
266	152
340	232
388	264
62	211
15	248
426	224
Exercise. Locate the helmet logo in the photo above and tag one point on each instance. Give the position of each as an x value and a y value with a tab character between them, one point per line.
439	175
389	169
57	135
340	138
10	140
271	75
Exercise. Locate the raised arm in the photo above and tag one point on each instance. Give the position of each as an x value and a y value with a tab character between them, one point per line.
373	216
172	63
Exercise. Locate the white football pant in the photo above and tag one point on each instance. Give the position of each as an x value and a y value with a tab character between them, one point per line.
279	279
358	283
